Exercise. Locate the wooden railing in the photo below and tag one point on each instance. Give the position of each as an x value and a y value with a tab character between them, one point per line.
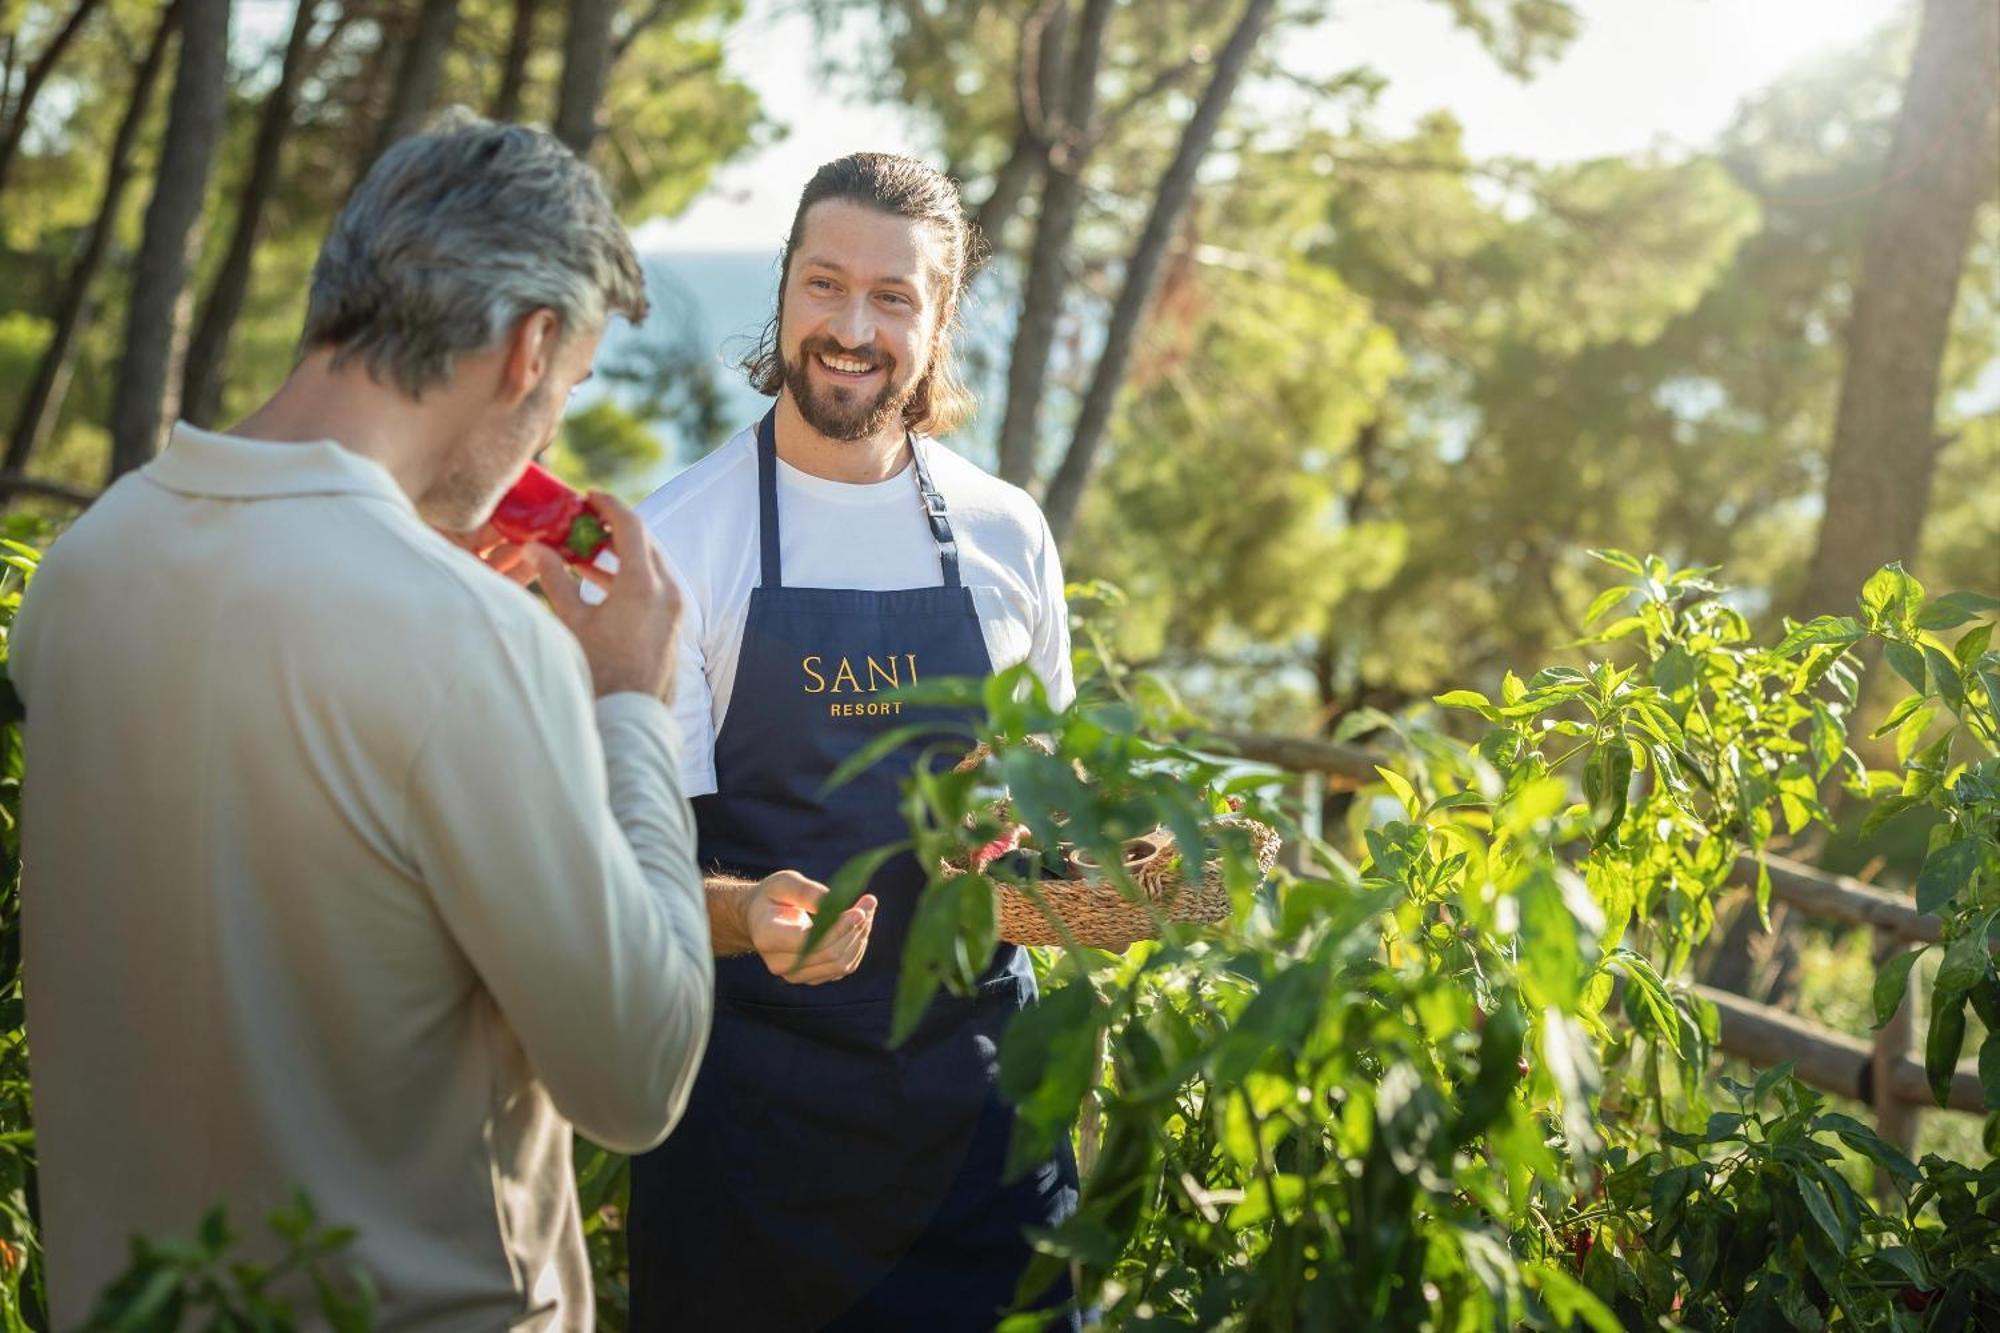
1880	1072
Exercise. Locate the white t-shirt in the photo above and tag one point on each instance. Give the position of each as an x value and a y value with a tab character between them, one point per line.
838	535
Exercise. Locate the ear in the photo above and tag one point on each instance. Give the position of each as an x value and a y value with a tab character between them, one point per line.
527	355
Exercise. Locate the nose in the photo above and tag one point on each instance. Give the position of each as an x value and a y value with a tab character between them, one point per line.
853	325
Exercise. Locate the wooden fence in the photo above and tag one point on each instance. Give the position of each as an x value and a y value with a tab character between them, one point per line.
1881	1072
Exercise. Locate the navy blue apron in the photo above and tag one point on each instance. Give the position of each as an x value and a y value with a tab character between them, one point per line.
819	1179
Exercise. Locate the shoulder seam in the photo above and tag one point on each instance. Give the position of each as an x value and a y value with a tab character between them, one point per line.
661	503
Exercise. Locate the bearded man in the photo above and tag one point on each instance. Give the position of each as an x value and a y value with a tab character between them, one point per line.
833	552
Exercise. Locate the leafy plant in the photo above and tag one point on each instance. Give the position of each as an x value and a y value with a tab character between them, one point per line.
1412	1089
174	1282
1754	1223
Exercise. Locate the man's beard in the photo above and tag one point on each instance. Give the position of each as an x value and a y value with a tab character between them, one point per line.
483	466
837	412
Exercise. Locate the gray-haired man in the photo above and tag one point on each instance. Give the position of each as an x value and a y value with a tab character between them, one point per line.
338	878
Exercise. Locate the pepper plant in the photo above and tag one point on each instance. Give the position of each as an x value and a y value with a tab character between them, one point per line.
1409	1088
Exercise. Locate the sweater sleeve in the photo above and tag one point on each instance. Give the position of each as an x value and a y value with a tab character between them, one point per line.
556	844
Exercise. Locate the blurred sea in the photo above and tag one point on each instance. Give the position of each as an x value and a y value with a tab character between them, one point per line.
717	300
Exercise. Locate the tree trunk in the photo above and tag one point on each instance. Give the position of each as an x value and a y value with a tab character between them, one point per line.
1038	83
8	61
1885	446
156	326
43	404
514	71
201	386
1142	273
23	106
417	75
1010	186
586	63
1048	260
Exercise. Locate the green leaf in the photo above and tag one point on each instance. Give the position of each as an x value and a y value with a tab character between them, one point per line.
1550	942
1486	1095
1822	1212
929	956
1954	609
1911	733
1890	596
1972	644
1619	560
1675	673
1898	715
1472	699
1569	1300
1825	740
845	889
1606	600
1404	791
1869	1144
1887	809
1989	1070
1646	994
1944	678
1909	663
1255	1209
1671	1189
1965	961
1277	1019
1842	630
1945	872
880	748
1607	785
1048	1062
1892	982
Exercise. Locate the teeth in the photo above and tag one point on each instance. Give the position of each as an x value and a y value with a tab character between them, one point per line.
845	363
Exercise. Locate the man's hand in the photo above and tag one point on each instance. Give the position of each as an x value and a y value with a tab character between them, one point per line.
777	913
628	637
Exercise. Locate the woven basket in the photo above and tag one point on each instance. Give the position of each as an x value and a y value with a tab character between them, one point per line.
1099	916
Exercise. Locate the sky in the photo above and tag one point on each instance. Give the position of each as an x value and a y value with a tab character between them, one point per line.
1665	75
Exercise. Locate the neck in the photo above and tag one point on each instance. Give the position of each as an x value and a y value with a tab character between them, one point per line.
378	422
877	457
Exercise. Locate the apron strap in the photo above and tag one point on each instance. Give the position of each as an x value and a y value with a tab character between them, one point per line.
940	524
767	498
767	507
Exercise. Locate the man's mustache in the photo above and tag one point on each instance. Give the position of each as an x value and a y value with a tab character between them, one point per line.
828	347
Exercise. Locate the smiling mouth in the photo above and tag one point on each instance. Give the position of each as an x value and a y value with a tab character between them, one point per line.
845	367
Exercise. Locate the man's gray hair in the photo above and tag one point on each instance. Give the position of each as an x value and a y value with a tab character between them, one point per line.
453	237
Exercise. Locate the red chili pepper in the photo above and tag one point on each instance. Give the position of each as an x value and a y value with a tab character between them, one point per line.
1917	1299
540	508
999	847
1581	1242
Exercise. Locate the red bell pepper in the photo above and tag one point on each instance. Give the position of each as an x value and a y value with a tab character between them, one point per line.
540	508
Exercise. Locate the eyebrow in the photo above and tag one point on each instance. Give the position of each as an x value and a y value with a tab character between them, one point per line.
816	261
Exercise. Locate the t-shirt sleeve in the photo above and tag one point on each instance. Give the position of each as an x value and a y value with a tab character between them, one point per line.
1049	650
694	701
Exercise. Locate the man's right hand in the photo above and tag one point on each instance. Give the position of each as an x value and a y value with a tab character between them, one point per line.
628	637
777	914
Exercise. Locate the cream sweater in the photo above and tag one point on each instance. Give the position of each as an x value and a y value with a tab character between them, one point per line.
337	879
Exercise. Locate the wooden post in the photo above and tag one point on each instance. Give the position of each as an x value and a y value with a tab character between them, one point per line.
1895	1118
